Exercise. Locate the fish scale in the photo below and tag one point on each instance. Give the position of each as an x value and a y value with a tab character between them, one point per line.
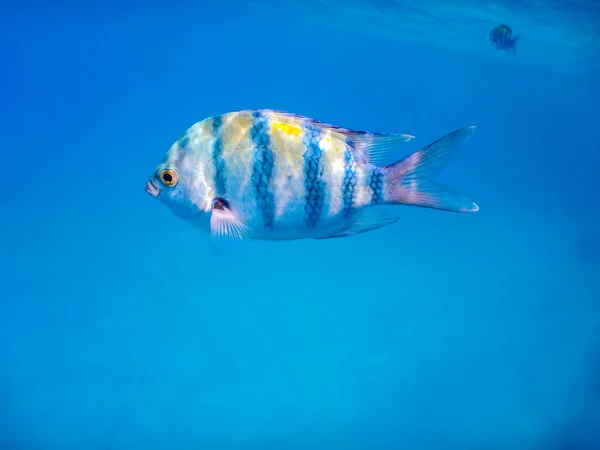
263	169
375	182
313	170
220	171
349	183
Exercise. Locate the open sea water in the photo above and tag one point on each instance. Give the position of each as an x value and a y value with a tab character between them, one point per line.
119	329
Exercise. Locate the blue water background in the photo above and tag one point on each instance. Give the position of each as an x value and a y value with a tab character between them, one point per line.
120	330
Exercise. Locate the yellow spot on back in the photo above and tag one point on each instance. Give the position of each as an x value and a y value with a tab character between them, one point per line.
290	130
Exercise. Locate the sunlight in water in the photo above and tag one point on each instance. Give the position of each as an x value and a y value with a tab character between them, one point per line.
555	36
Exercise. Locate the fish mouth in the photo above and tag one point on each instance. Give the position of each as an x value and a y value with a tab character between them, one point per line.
152	189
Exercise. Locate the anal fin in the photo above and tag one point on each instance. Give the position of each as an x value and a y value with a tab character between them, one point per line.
369	219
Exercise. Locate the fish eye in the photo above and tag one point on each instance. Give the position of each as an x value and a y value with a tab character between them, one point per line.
169	177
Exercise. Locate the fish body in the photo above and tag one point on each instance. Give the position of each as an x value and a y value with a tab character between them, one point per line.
272	175
503	39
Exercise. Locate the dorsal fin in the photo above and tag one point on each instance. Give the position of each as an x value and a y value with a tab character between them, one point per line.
370	147
376	148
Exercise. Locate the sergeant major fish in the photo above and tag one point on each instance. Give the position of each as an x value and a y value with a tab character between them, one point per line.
272	175
503	39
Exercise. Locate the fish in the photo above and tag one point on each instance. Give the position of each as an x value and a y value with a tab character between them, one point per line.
503	39
273	175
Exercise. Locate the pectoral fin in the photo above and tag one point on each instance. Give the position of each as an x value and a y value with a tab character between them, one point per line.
224	224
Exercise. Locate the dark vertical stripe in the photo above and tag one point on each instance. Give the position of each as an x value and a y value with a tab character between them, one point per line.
349	181
314	186
375	181
177	158
184	141
263	168
220	176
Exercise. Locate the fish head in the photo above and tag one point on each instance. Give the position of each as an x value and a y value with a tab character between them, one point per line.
178	183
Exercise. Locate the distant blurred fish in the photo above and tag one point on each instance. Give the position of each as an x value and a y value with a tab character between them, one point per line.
502	38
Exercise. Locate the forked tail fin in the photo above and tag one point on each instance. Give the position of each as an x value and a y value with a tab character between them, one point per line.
515	39
410	181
